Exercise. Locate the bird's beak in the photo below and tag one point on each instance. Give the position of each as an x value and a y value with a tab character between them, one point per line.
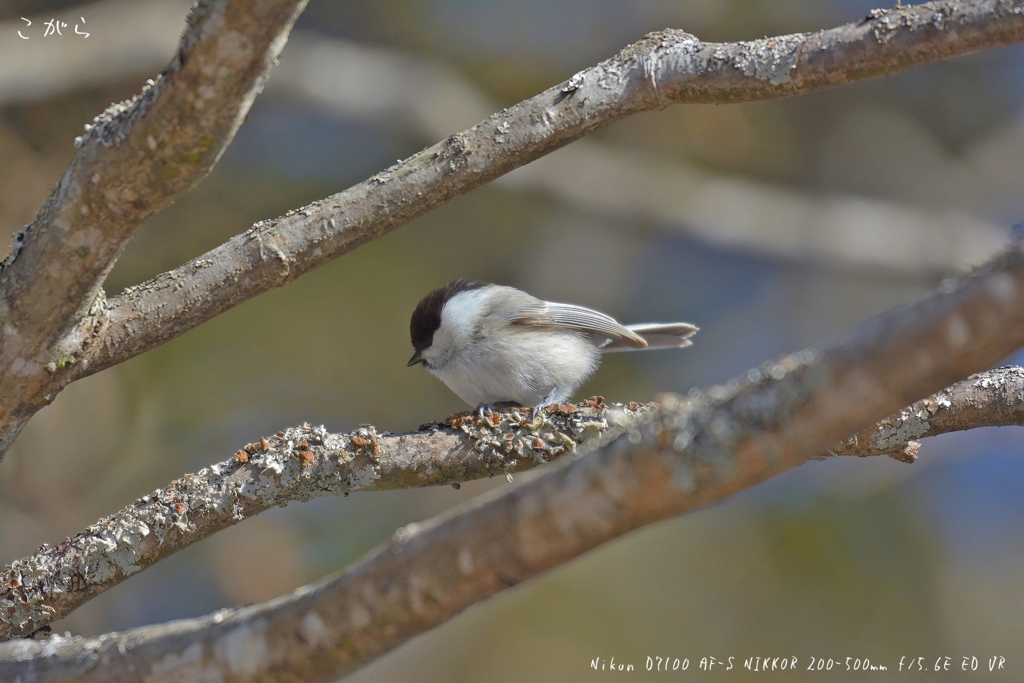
416	358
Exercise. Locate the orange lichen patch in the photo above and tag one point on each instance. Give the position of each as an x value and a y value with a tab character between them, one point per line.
264	444
242	456
306	457
358	441
374	446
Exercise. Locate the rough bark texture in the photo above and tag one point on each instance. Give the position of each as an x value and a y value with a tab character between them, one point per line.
133	160
989	399
307	462
432	100
665	68
299	464
686	454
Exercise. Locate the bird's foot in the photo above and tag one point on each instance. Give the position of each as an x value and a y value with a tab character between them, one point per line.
548	400
485	408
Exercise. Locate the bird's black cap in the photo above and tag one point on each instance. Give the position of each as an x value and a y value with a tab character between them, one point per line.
427	316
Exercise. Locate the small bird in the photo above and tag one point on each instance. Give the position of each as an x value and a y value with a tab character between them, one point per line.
498	345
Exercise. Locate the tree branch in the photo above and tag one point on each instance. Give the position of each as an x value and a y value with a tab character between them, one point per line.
152	528
132	162
671	195
54	582
299	464
432	99
990	399
684	455
665	68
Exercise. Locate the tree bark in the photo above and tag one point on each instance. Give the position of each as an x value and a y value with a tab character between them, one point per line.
67	329
685	454
133	160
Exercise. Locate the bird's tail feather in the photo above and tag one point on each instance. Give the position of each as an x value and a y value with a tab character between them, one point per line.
657	336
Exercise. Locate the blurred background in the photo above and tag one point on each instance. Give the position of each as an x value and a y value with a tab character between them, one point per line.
773	226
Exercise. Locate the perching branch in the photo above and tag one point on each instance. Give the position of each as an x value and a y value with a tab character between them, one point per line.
306	462
665	68
135	159
298	464
681	456
990	399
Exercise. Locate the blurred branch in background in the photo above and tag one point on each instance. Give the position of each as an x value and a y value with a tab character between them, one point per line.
307	462
680	456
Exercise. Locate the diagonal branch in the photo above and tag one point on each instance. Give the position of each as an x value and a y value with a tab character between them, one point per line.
56	581
664	68
431	99
684	455
131	163
298	464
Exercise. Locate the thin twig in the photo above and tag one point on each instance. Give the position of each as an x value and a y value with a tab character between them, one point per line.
989	399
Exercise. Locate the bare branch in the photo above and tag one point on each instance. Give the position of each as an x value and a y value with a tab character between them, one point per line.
426	96
306	462
299	464
665	68
684	455
990	399
136	158
669	194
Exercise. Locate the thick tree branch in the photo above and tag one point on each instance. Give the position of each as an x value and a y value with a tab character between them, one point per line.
665	68
990	399
681	456
307	462
668	194
299	464
132	162
426	96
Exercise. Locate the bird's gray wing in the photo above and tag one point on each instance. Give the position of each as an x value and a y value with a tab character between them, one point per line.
550	314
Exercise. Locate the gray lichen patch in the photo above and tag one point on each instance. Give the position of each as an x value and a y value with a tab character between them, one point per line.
769	59
293	465
112	126
997	378
515	439
893	434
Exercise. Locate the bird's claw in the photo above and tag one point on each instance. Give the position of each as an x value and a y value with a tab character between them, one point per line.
548	401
